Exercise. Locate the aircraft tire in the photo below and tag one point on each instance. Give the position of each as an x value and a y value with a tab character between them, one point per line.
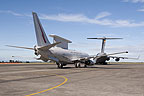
60	65
78	65
85	66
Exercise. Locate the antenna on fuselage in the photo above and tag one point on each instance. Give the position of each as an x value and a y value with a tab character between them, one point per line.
104	41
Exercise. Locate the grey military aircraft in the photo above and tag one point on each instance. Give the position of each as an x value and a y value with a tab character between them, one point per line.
102	57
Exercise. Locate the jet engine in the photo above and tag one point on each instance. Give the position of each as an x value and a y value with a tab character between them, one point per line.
117	59
108	59
36	51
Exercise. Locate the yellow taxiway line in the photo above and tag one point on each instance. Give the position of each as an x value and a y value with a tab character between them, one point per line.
65	80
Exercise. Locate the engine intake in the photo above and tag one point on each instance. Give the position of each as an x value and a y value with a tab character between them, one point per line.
36	51
117	59
108	59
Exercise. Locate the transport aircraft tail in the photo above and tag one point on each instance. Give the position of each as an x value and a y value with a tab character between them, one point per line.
104	41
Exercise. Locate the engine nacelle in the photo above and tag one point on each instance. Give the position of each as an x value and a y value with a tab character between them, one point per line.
108	59
36	51
117	59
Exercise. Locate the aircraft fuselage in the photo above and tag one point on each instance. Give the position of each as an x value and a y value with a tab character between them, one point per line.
62	55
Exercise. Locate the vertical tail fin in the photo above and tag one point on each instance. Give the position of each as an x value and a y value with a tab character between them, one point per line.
42	39
103	45
104	41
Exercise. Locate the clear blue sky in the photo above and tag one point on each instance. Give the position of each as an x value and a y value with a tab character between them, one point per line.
75	20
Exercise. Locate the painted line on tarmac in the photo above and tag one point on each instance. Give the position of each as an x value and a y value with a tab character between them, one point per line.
65	80
14	72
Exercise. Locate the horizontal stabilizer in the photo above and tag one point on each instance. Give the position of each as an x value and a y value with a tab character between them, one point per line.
48	46
105	38
20	47
104	41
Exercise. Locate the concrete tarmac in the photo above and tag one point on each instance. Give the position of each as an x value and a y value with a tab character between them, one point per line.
47	80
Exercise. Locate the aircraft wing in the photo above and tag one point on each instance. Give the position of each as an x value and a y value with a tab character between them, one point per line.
118	53
109	55
124	57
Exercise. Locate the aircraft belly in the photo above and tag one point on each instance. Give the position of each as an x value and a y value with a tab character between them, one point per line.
63	58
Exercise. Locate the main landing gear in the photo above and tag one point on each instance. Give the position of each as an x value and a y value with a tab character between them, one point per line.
78	65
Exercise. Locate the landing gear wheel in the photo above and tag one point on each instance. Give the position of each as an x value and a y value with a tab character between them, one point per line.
60	65
78	65
85	66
